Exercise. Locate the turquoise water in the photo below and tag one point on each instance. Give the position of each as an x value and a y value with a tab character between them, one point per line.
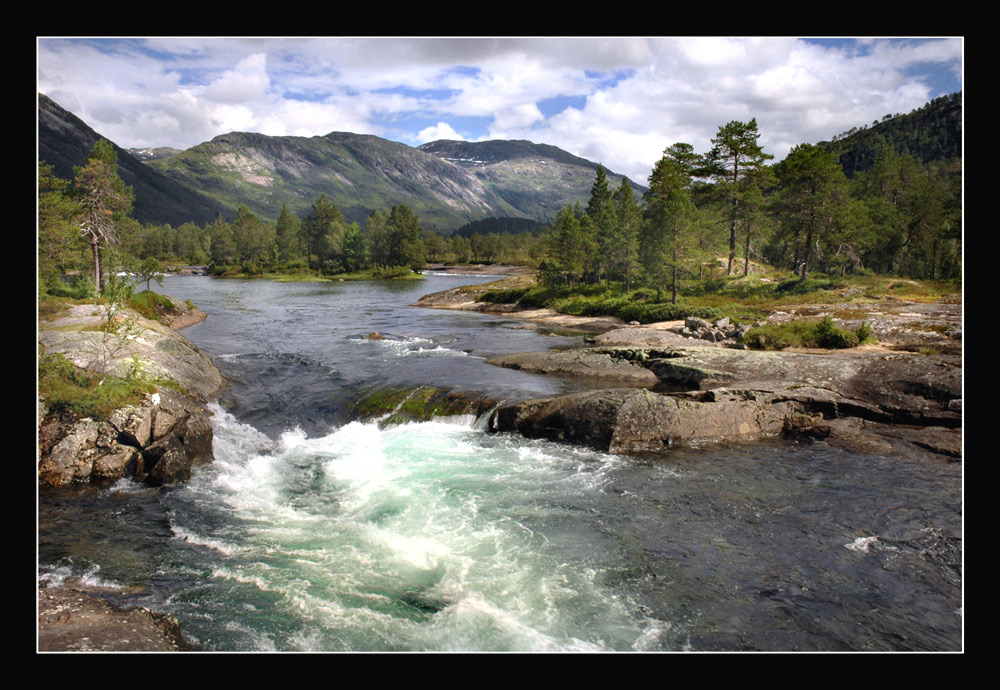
313	531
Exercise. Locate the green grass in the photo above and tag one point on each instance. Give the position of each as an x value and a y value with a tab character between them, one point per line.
152	305
742	299
66	387
809	334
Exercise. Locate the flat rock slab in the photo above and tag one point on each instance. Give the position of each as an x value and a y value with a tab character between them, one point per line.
162	351
71	620
584	363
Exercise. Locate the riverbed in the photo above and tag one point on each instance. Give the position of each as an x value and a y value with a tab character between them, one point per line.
314	530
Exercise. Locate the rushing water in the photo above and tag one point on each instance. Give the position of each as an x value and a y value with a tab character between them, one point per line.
315	531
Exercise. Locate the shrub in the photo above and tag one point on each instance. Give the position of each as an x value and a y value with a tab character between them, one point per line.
800	333
864	332
829	336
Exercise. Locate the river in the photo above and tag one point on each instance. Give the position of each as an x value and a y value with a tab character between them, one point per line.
315	531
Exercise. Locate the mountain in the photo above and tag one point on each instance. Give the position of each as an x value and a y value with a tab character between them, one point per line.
448	184
932	132
537	179
154	154
65	141
358	172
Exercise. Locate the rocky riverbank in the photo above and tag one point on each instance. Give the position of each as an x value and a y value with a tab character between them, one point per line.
900	397
158	441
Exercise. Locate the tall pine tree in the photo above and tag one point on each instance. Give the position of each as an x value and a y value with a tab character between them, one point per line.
735	155
105	201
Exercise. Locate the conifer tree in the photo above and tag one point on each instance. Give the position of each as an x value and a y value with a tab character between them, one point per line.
105	201
667	246
58	226
628	221
566	246
601	212
287	231
815	201
323	229
735	155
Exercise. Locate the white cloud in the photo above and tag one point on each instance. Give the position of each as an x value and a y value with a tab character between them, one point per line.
632	97
247	82
441	130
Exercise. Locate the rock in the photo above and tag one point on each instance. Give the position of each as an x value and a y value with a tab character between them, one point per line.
71	620
159	442
114	465
742	394
633	420
586	362
71	458
134	424
172	458
161	351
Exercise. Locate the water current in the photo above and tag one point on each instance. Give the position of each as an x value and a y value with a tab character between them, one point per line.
315	531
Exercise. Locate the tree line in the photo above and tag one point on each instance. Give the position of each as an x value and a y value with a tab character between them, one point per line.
718	210
85	229
730	204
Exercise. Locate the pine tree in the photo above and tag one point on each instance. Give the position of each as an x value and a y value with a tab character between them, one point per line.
323	230
58	226
628	220
600	210
735	155
287	232
105	201
566	247
667	246
814	194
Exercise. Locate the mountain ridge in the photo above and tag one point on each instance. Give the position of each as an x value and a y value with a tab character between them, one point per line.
358	172
65	141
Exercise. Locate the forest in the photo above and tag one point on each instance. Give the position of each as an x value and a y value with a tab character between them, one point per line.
719	212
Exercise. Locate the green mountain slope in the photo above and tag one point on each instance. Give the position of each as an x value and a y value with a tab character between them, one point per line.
932	132
358	172
65	141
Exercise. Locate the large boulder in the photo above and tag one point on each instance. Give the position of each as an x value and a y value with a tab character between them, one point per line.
160	351
159	442
633	420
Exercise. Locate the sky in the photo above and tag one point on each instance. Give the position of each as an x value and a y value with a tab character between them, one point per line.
619	101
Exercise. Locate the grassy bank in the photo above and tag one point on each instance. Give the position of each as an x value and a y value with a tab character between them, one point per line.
742	299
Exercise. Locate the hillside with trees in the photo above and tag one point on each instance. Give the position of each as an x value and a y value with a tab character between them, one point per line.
932	133
717	215
65	142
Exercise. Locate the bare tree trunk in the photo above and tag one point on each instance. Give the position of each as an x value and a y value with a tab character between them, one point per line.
97	265
746	254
